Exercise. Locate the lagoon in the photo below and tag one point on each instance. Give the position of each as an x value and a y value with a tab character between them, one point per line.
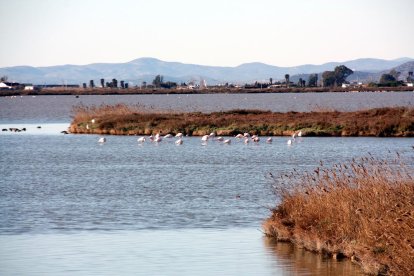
69	205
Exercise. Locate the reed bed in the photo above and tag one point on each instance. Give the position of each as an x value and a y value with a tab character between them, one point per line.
122	119
363	210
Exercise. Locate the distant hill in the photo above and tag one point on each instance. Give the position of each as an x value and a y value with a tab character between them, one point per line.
144	69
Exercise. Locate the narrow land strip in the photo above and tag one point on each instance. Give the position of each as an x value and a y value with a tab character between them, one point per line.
132	120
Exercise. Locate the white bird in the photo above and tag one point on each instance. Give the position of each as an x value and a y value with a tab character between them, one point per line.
246	135
168	136
293	135
179	135
227	141
212	134
102	140
246	140
204	138
151	138
179	142
219	138
93	121
157	136
141	140
269	140
256	139
157	139
239	136
289	142
300	134
87	126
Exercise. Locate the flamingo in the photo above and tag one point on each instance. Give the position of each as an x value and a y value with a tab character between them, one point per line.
168	136
300	134
212	135
102	140
269	140
157	139
246	140
239	136
293	136
93	121
227	141
204	138
289	142
179	142
151	138
141	140
256	139
246	135
219	138
179	135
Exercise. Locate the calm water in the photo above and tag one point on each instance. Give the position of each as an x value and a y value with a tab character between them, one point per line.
69	205
58	108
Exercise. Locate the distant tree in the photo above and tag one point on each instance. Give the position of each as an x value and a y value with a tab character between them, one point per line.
387	79
341	73
4	78
122	84
300	82
144	84
328	78
395	74
126	85
158	81
410	77
287	77
108	84
271	81
91	84
114	83
103	82
84	85
303	83
168	84
336	77
313	80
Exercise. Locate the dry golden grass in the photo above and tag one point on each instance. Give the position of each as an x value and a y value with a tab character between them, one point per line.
363	210
122	119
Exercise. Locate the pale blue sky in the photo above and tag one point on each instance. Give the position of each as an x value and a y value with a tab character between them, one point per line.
210	32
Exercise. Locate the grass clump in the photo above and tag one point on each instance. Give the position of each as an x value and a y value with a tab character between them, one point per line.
363	210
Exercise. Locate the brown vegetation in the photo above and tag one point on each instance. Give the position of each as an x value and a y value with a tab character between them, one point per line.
137	120
363	210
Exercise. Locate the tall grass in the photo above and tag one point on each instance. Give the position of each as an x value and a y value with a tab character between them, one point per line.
363	209
124	119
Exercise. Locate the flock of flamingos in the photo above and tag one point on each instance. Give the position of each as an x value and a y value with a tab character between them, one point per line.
247	138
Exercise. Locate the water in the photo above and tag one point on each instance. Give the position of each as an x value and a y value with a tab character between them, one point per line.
69	205
55	109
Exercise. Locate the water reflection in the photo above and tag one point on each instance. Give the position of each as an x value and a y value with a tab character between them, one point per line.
301	262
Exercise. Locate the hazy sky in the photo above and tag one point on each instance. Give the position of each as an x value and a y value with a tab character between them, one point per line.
210	32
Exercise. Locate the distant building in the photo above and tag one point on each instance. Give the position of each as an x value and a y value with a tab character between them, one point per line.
9	85
4	86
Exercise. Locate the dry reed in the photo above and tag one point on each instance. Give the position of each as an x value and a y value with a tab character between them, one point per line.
363	210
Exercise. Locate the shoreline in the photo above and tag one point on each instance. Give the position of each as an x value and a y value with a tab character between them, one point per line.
161	91
126	120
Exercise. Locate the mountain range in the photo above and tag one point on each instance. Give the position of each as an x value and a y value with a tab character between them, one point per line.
145	69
